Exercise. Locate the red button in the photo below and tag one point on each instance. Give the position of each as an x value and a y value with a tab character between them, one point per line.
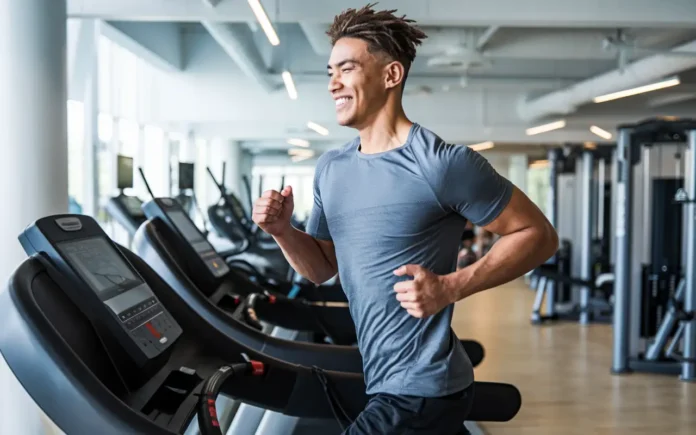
257	368
152	330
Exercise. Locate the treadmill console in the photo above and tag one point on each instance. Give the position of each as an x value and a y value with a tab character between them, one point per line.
172	214
133	205
103	283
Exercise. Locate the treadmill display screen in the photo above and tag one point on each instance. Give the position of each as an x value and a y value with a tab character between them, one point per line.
124	172
182	222
97	262
186	176
133	205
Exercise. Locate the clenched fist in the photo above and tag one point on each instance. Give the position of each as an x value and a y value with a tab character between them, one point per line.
426	294
273	210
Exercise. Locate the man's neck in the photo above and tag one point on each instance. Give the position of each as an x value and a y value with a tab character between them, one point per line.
384	133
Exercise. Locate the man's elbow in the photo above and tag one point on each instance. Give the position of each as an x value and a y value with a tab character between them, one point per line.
549	241
322	277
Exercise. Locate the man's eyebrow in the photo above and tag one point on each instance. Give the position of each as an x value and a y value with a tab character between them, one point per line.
343	62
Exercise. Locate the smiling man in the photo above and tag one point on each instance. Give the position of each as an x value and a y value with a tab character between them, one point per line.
389	211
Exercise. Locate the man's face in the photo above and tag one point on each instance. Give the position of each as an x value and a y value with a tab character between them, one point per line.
356	82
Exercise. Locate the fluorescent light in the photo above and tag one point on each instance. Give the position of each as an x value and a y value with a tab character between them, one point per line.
265	23
300	152
482	146
639	90
289	85
600	132
546	127
318	128
299	142
539	164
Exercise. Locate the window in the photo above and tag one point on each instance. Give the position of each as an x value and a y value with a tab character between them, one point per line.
156	165
201	180
106	162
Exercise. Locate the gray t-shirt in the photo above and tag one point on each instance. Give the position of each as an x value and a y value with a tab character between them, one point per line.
408	205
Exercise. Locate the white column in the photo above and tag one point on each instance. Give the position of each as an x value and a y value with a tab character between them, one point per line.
34	145
233	174
91	110
517	171
228	152
187	149
33	123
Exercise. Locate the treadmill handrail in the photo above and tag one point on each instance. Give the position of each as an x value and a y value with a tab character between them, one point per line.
150	247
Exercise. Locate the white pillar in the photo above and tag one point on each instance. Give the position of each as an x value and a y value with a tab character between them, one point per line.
34	145
517	171
91	111
33	122
187	148
230	153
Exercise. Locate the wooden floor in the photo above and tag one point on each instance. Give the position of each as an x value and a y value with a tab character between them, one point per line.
562	371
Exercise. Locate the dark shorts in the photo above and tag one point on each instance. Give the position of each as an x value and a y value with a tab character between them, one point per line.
387	414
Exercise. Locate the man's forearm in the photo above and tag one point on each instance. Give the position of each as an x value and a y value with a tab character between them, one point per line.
510	257
306	256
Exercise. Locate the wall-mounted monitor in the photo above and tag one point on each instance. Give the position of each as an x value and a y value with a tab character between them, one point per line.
124	172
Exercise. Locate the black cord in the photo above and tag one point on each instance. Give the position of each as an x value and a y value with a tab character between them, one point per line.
331	397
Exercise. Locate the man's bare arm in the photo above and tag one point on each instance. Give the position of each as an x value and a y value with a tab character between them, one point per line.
527	240
312	258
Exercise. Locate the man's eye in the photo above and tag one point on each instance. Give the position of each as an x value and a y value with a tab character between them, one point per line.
346	69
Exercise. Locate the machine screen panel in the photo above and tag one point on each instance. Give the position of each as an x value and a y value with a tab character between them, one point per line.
182	222
237	208
134	206
98	263
124	172
186	176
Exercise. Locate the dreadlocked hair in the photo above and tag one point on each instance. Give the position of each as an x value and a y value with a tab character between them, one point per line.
382	30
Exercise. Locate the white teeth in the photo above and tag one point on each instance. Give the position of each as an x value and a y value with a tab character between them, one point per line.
341	101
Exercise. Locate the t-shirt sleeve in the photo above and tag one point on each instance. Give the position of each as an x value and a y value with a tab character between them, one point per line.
469	185
317	226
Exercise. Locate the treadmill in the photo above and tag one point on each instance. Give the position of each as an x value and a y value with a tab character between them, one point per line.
97	342
229	219
125	209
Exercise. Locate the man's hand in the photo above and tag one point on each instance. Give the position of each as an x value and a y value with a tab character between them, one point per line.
426	294
272	212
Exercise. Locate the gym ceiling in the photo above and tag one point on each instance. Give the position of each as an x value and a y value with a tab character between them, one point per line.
489	71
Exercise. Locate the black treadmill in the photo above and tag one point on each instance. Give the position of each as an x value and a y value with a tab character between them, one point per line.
125	209
103	345
177	251
229	219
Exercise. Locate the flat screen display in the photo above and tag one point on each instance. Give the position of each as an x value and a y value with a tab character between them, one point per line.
188	229
185	176
124	172
98	263
134	206
237	208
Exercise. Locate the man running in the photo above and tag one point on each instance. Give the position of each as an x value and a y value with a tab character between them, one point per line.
389	209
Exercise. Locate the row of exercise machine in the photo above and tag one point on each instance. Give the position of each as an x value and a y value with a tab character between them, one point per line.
625	215
168	336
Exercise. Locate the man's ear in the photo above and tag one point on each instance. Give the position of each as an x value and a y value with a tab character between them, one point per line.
394	74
